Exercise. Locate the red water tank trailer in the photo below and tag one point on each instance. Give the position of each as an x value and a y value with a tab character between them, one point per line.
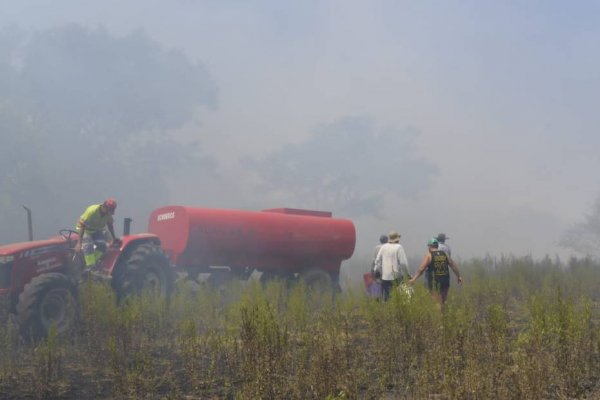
274	240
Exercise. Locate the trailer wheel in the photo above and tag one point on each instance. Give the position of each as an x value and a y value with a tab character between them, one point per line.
145	269
317	280
220	279
48	300
269	276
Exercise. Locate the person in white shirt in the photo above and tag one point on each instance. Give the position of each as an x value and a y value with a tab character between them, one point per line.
441	238
391	262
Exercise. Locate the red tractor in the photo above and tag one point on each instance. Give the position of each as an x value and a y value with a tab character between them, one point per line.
38	279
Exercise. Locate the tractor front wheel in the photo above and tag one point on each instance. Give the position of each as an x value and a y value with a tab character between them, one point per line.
48	300
145	269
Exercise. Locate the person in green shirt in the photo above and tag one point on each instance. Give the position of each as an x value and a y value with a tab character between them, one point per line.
91	227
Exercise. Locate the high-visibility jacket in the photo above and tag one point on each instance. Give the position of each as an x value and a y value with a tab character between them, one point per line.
93	220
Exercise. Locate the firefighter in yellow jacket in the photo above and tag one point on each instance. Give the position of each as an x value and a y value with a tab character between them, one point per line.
91	227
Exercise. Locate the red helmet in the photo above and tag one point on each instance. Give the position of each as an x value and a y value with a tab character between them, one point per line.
110	205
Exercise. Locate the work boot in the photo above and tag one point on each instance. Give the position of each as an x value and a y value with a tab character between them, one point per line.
86	273
96	273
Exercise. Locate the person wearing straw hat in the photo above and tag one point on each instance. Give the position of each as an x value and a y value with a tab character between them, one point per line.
391	262
438	264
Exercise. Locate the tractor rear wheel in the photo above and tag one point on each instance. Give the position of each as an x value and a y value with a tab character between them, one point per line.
146	269
48	300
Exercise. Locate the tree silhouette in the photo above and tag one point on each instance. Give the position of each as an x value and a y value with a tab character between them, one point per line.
584	237
85	115
347	166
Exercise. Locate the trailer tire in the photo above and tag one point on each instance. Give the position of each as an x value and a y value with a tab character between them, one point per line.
317	280
220	279
270	276
48	300
145	269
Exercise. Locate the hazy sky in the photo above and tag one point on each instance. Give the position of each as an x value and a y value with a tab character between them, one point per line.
503	95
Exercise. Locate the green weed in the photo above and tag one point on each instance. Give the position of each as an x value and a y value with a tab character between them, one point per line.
518	329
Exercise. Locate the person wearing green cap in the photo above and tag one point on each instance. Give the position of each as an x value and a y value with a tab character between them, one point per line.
438	264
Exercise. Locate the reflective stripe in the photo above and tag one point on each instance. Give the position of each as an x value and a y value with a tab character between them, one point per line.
90	259
92	245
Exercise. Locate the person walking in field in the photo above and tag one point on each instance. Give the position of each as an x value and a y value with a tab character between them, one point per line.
441	238
391	263
438	264
91	227
373	281
383	239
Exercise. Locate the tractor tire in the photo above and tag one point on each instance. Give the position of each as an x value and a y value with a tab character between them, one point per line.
317	280
145	269
48	300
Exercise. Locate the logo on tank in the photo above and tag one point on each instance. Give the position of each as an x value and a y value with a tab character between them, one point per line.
165	216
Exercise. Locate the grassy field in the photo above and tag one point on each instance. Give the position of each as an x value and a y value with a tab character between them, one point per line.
523	330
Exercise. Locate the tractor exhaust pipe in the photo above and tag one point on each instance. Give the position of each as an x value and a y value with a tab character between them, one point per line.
29	223
127	226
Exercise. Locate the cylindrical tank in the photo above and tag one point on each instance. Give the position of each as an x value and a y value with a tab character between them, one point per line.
270	239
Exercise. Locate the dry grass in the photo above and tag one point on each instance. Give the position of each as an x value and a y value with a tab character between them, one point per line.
523	330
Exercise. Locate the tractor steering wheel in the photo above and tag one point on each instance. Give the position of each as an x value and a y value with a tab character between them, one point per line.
67	233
